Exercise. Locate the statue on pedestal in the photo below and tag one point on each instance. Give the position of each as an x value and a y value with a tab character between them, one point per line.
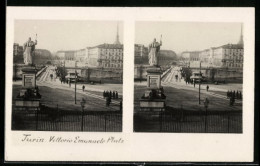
153	50
29	48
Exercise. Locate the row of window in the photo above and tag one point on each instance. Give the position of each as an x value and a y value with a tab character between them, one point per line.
233	50
114	57
234	65
112	65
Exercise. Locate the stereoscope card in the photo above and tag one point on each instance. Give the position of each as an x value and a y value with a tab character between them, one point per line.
129	84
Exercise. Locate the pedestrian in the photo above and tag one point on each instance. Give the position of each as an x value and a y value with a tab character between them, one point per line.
232	100
237	95
83	88
207	87
234	94
240	95
116	95
107	101
110	94
206	103
194	83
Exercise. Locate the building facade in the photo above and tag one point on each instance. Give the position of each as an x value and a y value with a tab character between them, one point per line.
17	49
141	54
226	56
106	56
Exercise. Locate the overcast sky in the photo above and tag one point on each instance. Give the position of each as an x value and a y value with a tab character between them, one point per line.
194	36
67	35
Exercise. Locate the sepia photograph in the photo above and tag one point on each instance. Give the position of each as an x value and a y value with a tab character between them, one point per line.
67	75
188	77
135	84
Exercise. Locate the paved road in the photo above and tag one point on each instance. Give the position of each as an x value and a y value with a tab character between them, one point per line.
44	79
188	94
170	80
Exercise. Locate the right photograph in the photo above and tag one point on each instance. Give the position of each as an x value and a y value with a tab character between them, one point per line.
188	77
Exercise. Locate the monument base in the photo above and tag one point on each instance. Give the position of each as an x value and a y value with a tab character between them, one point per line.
154	77
153	98
27	103
29	77
152	105
29	95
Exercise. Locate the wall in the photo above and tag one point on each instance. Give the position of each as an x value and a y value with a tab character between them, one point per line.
221	74
106	76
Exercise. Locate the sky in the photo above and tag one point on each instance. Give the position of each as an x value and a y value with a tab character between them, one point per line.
55	35
187	36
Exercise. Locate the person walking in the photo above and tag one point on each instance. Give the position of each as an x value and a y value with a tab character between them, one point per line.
83	88
116	95
194	83
110	94
107	101
207	88
206	103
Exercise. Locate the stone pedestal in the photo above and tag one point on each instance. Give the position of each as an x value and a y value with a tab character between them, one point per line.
28	96
29	77
153	98
154	77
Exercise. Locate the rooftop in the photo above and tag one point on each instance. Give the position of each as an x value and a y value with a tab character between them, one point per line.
109	46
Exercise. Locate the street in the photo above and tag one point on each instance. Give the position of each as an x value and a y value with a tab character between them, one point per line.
186	96
55	94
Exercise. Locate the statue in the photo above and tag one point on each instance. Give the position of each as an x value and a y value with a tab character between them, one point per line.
29	48
154	49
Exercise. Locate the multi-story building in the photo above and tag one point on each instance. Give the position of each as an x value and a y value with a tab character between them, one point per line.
190	57
103	55
225	56
141	54
106	55
17	50
80	55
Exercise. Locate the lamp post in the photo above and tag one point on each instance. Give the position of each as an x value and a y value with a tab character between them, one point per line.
199	81
82	103
75	83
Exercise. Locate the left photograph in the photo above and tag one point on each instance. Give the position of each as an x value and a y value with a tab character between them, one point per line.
67	75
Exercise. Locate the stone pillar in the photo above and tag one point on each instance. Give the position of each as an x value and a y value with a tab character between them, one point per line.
154	78
29	77
153	98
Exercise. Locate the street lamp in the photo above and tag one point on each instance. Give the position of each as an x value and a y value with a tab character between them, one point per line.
82	103
75	83
199	81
